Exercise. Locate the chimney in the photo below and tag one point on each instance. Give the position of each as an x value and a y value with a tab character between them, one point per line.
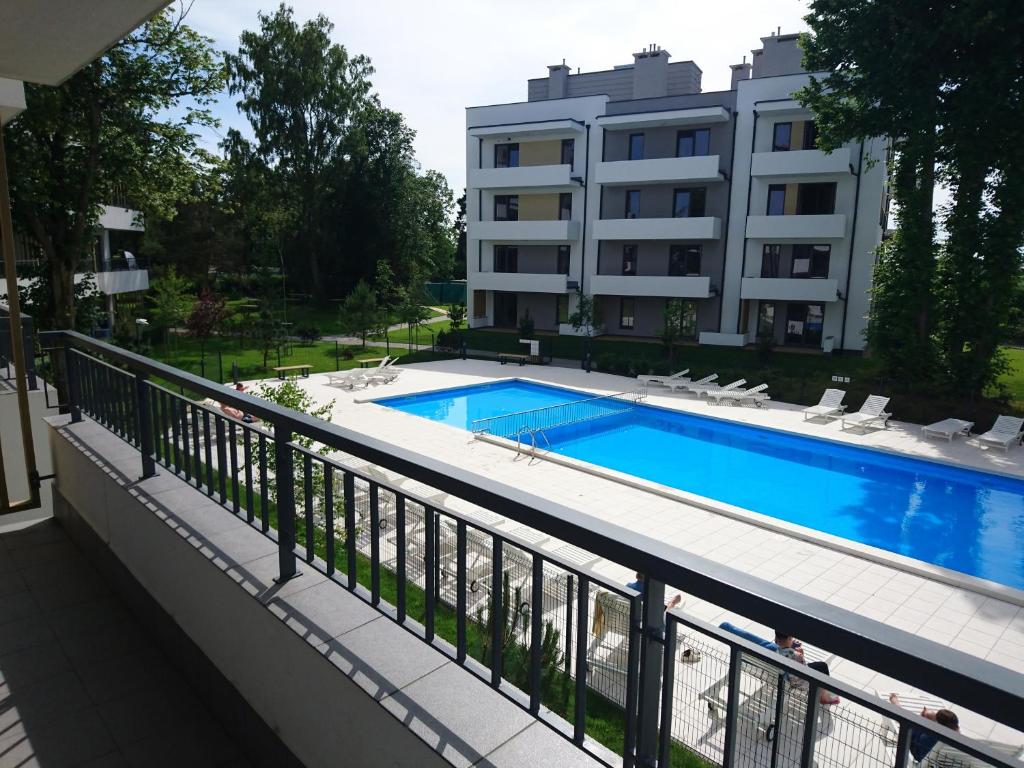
739	72
650	73
558	81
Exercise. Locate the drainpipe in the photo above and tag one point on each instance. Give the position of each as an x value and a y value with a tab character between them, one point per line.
728	219
853	237
750	181
586	190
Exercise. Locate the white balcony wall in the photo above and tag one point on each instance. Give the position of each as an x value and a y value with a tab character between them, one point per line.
648	285
659	170
811	228
525	231
123	281
801	163
524	282
694	228
523	177
789	289
125	219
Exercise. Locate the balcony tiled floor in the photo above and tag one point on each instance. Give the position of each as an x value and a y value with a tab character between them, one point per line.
81	681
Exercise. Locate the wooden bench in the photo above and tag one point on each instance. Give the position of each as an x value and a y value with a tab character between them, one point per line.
508	357
284	370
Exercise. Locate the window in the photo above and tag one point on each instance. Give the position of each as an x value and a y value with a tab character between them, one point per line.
506	258
776	199
816	199
506	207
632	203
684	260
629	259
695	143
568	151
810	135
771	255
811	260
562	264
688	319
766	320
561	309
687	203
636	146
804	323
565	206
627	313
782	136
506	155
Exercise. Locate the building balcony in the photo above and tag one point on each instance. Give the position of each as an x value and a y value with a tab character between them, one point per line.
693	228
522	282
789	289
122	219
530	177
813	228
122	281
801	163
525	231
659	170
688	287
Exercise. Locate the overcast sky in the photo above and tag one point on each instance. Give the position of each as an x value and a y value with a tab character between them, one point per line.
434	58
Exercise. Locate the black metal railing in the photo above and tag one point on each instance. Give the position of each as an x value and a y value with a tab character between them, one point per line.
417	537
28	343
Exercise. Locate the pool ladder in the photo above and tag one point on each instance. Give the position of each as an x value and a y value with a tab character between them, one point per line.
533	441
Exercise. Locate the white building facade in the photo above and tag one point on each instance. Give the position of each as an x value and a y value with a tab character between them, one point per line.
636	187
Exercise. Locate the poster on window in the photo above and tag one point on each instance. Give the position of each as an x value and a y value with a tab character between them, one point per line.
795	327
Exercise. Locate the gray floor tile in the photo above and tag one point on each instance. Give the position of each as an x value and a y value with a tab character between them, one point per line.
144	715
17	606
127	674
32	705
63	742
318	614
539	747
25	633
30	664
109	641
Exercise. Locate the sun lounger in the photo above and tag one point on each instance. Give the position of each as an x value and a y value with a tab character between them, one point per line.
871	414
1004	433
384	373
661	380
755	395
707	389
829	407
948	428
686	383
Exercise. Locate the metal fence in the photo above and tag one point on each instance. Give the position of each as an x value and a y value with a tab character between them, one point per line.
408	531
28	341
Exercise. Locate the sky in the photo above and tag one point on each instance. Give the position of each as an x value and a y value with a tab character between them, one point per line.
434	58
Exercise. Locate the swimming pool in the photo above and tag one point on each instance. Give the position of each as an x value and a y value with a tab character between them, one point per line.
961	519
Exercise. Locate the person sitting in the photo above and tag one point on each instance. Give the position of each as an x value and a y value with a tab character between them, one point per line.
922	742
689	655
788	646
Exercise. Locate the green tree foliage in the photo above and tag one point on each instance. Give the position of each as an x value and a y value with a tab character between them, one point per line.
456	316
360	312
586	317
672	326
459	228
121	127
36	296
170	299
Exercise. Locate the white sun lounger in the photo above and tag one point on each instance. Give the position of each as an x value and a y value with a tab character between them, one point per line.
829	407
1004	433
661	380
948	428
755	395
871	414
686	383
348	379
385	373
707	390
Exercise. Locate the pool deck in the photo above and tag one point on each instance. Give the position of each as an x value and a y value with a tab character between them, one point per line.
974	623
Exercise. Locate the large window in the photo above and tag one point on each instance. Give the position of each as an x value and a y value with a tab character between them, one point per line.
684	260
561	309
568	151
766	320
782	137
506	258
562	265
804	323
636	146
632	204
506	155
506	207
565	206
629	259
687	203
687	319
695	143
776	199
627	313
771	256
816	199
810	134
811	260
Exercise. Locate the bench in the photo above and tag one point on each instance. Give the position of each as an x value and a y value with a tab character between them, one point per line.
284	370
508	357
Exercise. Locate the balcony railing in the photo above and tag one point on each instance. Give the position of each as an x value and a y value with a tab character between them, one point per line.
415	537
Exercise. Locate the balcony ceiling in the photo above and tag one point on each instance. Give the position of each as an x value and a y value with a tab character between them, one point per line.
47	41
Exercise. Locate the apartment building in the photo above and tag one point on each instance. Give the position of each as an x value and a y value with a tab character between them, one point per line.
638	188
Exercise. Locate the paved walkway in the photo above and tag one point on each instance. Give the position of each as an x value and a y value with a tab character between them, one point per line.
81	681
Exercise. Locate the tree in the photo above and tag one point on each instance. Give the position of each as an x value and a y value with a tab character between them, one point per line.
459	230
456	316
411	309
36	296
360	312
301	94
120	127
205	318
389	295
169	302
586	317
672	327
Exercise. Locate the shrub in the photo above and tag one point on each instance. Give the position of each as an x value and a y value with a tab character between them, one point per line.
347	353
526	328
308	334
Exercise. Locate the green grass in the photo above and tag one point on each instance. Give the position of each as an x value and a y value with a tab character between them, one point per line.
1013	380
328	319
421	335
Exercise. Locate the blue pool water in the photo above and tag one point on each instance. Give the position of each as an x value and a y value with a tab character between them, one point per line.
968	521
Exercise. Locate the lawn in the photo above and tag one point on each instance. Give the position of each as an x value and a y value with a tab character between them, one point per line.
1013	380
420	335
328	319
